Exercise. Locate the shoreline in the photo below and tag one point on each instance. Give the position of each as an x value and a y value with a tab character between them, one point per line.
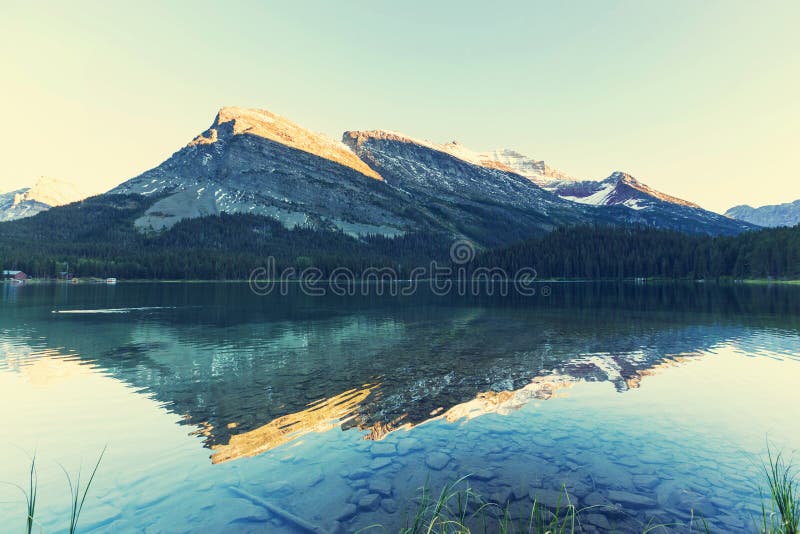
640	281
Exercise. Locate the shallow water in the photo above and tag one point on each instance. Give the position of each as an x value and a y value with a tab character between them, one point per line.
658	398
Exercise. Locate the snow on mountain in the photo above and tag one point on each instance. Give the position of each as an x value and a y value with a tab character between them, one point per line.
536	170
488	203
775	215
651	207
383	182
45	193
503	159
619	188
482	186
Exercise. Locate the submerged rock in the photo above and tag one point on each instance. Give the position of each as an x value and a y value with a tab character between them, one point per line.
355	497
627	461
389	506
550	498
501	495
646	481
348	512
369	502
380	463
598	520
358	474
596	499
317	477
380	486
631	500
482	475
383	449
272	488
408	445
437	460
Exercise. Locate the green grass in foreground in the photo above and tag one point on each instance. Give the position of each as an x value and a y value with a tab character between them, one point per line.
78	494
460	510
456	509
784	487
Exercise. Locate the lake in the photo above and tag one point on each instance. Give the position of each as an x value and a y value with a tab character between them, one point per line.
649	403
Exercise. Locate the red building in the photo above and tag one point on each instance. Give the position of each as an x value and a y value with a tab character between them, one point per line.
15	275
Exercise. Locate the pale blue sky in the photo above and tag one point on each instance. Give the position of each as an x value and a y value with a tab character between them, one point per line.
696	98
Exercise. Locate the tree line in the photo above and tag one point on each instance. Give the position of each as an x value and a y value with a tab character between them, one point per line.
605	252
97	238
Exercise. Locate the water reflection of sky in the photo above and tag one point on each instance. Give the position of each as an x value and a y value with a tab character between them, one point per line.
694	398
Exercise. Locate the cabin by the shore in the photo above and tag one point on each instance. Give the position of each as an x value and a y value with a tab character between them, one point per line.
15	275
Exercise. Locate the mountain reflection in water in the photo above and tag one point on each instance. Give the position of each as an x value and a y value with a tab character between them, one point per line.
252	373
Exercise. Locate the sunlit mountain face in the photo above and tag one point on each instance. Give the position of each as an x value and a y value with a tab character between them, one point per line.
385	183
45	193
255	162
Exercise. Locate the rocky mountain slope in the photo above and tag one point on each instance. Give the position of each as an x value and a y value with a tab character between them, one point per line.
787	214
536	170
643	203
618	189
44	194
385	183
253	161
468	195
640	203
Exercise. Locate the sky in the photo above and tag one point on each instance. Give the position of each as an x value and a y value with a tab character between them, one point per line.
697	99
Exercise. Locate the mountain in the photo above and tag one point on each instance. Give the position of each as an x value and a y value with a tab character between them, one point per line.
775	215
381	183
620	198
255	184
465	194
256	162
44	194
618	189
644	204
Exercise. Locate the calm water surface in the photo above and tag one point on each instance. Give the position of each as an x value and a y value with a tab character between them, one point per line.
657	398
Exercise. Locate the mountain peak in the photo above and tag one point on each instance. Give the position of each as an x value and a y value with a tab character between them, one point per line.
619	178
786	214
45	193
52	192
622	177
359	137
232	121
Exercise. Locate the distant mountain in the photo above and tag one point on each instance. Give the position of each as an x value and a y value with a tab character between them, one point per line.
661	210
775	215
536	170
618	189
644	204
44	194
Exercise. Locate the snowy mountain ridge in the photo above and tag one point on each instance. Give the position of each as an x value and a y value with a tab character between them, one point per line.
45	193
379	182
787	214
